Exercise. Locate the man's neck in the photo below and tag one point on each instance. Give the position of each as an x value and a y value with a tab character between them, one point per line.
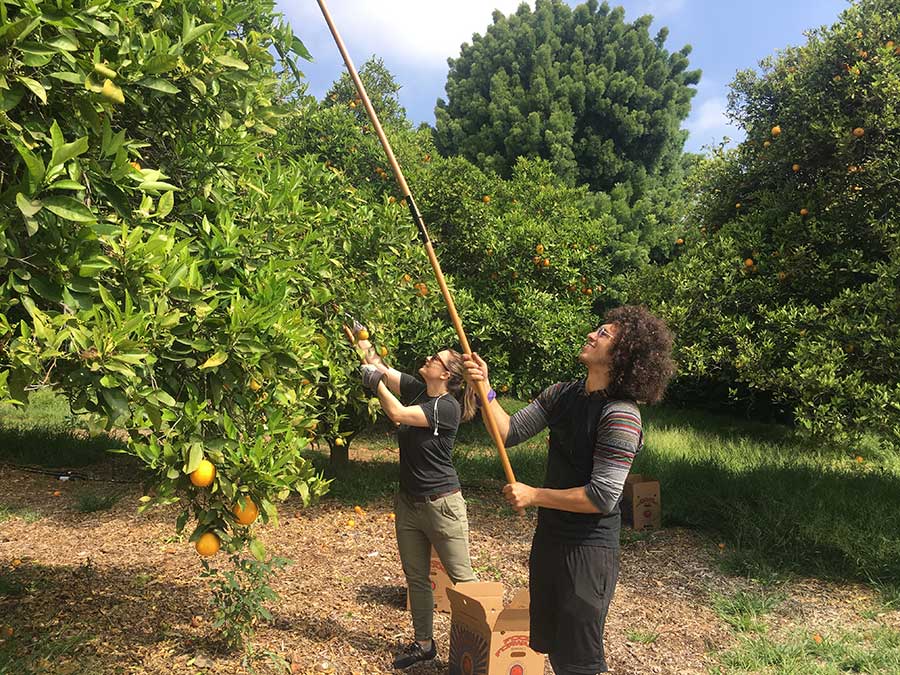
597	379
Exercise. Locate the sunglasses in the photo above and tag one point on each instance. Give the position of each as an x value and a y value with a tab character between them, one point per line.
602	332
439	360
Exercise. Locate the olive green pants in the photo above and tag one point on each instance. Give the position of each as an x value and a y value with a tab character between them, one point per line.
443	524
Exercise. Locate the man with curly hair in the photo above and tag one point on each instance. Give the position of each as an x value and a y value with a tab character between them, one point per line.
595	433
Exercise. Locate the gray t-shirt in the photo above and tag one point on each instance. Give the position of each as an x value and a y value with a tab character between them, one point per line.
426	457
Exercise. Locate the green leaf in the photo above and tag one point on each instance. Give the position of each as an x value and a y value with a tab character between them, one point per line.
156	185
158	84
194	458
34	163
9	99
69	209
231	62
67	151
166	202
68	76
216	359
36	87
300	49
28	207
258	549
116	401
196	32
66	184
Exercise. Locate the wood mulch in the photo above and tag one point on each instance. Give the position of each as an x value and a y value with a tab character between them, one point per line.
130	596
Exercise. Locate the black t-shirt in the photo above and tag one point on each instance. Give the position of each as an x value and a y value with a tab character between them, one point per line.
426	463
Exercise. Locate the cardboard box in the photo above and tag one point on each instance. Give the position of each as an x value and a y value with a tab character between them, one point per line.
641	507
440	582
488	638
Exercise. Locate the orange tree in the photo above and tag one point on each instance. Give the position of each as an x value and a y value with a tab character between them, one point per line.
171	263
786	289
537	261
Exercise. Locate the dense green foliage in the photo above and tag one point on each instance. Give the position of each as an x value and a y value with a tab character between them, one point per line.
172	263
786	290
597	97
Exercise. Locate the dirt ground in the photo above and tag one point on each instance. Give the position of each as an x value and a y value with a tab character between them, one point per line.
131	593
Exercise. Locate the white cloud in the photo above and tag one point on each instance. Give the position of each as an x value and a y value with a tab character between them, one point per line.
708	124
659	8
407	31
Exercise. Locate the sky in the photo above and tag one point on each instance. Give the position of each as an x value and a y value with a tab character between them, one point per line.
416	37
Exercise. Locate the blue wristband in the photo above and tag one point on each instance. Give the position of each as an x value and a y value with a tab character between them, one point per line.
491	395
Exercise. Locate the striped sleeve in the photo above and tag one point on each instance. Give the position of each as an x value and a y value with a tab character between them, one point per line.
620	437
532	418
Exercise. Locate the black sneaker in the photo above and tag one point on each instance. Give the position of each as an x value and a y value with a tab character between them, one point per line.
413	654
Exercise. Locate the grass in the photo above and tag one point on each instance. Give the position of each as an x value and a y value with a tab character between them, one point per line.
26	514
781	505
39	434
854	650
642	636
51	654
90	502
744	610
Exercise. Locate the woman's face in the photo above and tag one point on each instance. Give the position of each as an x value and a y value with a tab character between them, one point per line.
435	366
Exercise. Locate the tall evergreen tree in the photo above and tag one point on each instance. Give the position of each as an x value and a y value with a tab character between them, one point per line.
596	96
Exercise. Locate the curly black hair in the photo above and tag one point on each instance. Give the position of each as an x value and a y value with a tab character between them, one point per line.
642	363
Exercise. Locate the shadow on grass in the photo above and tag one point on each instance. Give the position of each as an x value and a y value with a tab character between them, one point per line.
57	448
806	520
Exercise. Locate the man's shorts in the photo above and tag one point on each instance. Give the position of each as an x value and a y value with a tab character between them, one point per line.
571	587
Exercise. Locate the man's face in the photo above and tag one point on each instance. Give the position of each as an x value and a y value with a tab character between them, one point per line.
597	348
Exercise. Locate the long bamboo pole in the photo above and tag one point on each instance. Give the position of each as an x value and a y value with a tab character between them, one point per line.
486	414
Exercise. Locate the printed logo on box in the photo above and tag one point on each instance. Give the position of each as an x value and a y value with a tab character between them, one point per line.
510	642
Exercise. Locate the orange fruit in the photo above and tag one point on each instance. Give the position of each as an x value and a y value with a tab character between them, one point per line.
57	493
804	212
859	459
245	510
339	442
776	130
204	474
539	248
407	278
254	384
136	165
782	276
486	199
858	132
392	516
546	262
795	168
427	158
766	144
359	510
536	260
383	351
351	523
738	205
208	544
363	334
587	291
817	639
679	241
748	262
